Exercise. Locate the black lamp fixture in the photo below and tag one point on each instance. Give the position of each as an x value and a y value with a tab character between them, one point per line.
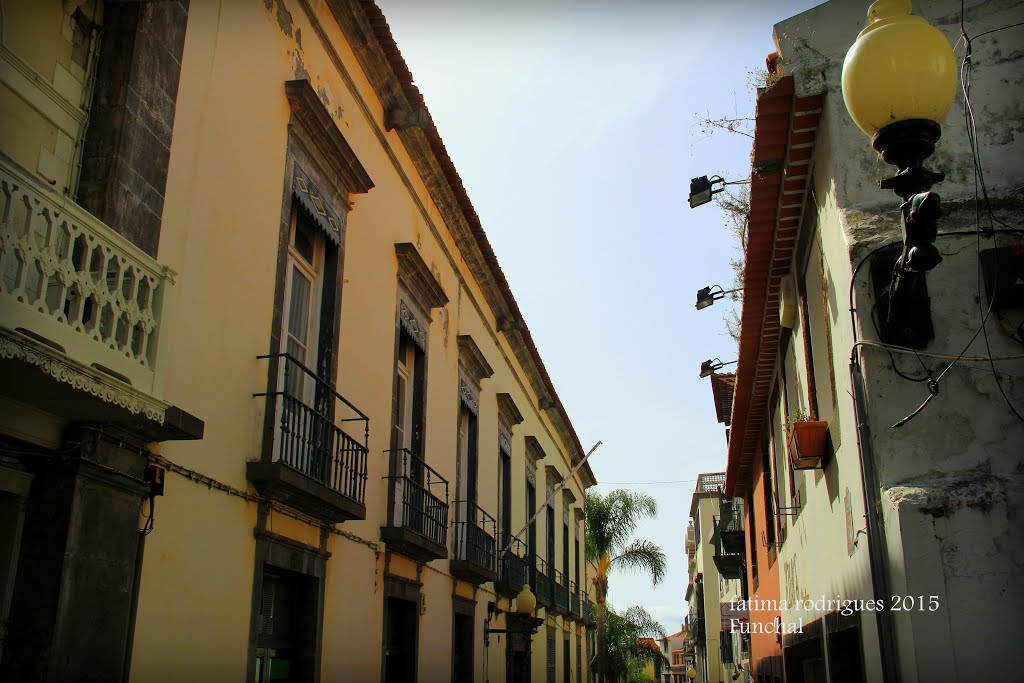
898	85
708	367
703	189
709	295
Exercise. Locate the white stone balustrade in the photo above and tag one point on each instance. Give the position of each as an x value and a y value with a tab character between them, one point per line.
71	282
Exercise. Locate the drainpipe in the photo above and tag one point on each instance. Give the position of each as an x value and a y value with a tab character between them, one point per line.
876	538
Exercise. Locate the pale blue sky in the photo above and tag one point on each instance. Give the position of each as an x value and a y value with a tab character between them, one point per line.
572	124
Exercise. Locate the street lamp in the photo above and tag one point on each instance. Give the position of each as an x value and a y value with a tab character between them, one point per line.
899	80
709	295
520	626
708	367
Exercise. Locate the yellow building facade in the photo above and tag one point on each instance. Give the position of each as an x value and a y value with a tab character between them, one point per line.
270	409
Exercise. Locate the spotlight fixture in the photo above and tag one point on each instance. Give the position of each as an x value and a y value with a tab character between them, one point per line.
702	189
708	367
709	295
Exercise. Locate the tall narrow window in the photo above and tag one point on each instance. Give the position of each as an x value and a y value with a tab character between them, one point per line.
285	632
549	527
753	539
531	534
551	655
308	342
576	554
468	454
508	417
769	492
505	491
565	547
409	396
303	295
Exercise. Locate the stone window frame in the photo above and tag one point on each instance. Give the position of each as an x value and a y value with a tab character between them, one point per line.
473	370
410	591
322	175
508	417
298	558
419	293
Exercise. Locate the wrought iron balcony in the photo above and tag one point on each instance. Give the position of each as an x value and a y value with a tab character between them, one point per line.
311	463
590	613
574	599
730	528
513	568
80	303
730	564
475	555
540	582
560	591
417	513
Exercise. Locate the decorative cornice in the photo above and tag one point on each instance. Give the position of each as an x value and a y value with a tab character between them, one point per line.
531	473
472	360
504	439
82	378
469	397
568	496
508	413
580	513
417	278
411	324
400	119
312	116
554	477
534	452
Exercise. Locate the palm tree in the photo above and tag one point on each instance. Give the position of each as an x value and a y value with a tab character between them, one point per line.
611	520
626	656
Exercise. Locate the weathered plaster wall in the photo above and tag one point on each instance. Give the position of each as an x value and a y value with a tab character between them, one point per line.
950	478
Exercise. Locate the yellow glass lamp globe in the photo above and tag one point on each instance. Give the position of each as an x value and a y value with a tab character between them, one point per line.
900	68
525	601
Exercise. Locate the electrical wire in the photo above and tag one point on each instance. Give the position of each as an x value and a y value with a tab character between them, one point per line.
645	483
147	527
979	181
938	356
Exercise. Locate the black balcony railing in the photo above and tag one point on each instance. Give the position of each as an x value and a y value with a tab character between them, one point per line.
513	572
730	529
418	516
475	553
574	599
560	590
309	439
590	612
541	581
729	555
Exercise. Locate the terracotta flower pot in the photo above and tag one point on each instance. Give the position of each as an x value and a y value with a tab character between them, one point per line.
807	444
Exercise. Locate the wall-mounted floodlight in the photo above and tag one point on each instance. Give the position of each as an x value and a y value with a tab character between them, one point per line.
708	367
702	189
709	295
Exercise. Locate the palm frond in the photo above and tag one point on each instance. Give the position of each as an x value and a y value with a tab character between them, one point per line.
645	556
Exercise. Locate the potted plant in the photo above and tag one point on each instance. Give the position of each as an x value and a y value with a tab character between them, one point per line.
806	440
